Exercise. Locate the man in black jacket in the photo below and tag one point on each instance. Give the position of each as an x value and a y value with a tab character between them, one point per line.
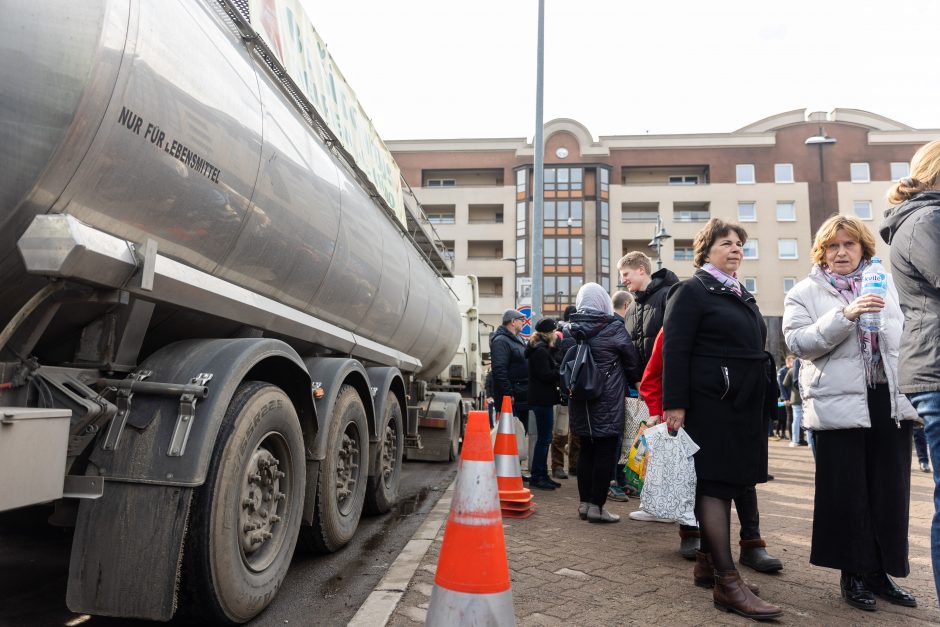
644	317
510	370
563	441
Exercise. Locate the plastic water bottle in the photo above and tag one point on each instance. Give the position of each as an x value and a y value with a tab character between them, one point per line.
874	281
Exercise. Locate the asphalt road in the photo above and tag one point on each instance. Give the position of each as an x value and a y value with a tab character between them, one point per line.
319	589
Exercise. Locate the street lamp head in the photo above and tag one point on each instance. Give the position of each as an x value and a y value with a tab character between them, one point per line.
508	259
820	138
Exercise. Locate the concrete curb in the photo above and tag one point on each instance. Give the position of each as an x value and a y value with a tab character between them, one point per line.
383	600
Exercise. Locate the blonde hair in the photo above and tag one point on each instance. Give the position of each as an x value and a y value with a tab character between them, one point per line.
636	259
925	174
852	226
705	239
547	337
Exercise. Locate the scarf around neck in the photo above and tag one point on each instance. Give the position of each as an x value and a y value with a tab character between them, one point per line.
849	287
728	280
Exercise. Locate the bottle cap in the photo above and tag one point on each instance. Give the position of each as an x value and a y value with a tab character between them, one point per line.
876	259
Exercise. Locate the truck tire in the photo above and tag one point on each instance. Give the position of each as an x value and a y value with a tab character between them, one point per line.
246	517
455	436
341	488
382	489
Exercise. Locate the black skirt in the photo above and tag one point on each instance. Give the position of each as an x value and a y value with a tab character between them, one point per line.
863	493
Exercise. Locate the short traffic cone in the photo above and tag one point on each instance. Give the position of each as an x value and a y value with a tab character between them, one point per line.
515	499
472	586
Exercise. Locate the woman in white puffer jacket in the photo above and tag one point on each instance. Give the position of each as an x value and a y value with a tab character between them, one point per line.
860	421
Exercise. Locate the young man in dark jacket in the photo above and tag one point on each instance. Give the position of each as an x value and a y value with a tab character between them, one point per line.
644	316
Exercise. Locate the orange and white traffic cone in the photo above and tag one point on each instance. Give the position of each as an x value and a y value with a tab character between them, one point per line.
515	499
472	586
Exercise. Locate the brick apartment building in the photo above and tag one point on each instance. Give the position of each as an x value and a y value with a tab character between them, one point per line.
779	177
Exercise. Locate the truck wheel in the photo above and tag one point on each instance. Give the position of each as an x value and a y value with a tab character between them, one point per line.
382	489
341	488
454	436
246	517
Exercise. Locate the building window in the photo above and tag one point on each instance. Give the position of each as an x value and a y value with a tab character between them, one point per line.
563	251
520	256
862	209
750	284
442	183
564	179
747	212
560	290
686	179
900	169
684	253
604	218
563	213
786	211
448	249
786	249
605	180
605	257
788	283
750	249
859	172
783	172
744	173
441	218
521	210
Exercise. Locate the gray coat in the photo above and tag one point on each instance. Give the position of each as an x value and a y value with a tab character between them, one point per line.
832	373
913	230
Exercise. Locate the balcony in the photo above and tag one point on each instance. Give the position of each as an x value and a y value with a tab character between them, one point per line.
485	214
484	250
691	212
477	177
682	175
639	211
490	286
440	214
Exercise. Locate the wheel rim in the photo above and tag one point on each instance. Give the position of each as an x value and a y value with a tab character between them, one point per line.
348	466
265	502
389	451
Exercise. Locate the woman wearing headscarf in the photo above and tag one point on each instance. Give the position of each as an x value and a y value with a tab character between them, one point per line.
861	422
720	384
599	422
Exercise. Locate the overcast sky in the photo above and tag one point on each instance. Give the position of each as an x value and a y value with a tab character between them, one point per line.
439	69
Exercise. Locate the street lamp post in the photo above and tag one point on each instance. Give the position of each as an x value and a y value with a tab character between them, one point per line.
659	237
515	280
820	140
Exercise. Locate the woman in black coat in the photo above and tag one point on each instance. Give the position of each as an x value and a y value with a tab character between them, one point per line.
719	383
598	423
543	396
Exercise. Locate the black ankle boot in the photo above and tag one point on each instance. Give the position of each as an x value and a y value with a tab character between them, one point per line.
855	592
885	587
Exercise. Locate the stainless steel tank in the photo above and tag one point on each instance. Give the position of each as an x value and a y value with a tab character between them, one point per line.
152	120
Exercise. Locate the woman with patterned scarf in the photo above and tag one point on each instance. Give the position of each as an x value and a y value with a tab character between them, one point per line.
861	422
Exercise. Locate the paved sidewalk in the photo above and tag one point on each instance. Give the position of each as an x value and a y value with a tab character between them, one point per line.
565	571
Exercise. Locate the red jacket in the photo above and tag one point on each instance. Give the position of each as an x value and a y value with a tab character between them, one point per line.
651	387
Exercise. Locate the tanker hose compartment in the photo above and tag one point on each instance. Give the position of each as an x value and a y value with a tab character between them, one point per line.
26	311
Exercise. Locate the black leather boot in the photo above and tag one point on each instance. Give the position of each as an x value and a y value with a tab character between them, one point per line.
754	554
885	587
855	592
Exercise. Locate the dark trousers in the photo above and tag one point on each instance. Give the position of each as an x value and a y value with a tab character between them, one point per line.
544	416
595	465
920	445
748	515
863	488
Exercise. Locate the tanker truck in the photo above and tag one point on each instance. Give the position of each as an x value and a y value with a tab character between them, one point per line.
218	316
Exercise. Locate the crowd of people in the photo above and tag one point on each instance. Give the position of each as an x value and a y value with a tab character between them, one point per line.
694	353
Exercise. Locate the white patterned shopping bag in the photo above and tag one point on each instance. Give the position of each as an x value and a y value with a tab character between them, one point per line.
669	488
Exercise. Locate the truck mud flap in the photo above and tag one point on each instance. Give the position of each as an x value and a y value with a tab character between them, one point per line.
127	551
